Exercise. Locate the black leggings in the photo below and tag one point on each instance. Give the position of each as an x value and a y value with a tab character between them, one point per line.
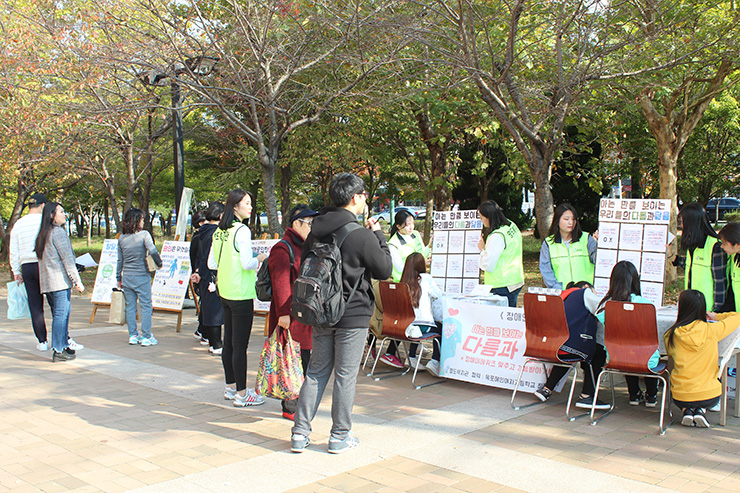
30	274
238	316
589	370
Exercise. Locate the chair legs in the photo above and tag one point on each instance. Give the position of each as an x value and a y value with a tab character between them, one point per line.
385	374
418	363
570	367
662	426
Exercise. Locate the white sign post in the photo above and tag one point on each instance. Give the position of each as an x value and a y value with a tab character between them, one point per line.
171	281
635	230
455	250
105	279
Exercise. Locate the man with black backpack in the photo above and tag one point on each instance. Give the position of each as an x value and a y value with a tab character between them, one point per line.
338	348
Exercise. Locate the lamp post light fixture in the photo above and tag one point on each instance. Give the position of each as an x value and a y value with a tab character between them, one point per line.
199	66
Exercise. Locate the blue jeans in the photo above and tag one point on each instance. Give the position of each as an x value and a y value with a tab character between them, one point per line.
138	287
511	296
60	309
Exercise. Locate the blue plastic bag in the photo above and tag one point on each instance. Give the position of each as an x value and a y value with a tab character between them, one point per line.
17	301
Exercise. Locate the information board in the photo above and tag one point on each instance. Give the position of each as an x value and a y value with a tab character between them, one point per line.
264	246
105	279
635	230
455	250
485	344
171	281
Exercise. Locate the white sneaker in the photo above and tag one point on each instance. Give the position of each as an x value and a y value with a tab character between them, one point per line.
74	345
43	346
716	407
413	362
249	399
151	341
229	394
433	367
216	351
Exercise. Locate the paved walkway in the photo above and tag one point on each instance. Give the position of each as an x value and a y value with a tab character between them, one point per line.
123	417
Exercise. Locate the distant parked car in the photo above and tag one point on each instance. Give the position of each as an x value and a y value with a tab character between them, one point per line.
726	204
418	212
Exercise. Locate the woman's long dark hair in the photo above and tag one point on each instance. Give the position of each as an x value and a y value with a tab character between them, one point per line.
399	220
696	227
47	223
131	221
555	226
624	282
414	267
234	197
692	306
491	211
730	233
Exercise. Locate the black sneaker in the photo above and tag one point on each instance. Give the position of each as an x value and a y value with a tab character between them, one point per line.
543	394
688	417
635	400
587	403
651	400
66	355
700	420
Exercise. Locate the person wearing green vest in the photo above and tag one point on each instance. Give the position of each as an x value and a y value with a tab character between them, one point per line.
403	242
730	236
567	255
500	249
706	263
231	256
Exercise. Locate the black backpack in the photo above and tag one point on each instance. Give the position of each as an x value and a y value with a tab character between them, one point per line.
317	291
263	285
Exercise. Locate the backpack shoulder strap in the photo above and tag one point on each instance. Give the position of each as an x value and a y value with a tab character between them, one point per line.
342	233
290	251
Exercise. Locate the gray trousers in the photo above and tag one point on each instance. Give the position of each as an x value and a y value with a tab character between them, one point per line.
339	350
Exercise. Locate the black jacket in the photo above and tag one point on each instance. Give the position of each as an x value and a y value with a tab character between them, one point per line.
365	254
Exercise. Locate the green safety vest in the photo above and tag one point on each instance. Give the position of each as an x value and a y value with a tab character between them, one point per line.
509	268
733	276
406	245
234	283
571	264
700	277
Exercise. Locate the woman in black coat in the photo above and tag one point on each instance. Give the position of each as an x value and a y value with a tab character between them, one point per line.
211	310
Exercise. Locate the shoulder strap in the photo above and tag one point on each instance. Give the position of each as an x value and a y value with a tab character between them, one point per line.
290	251
341	234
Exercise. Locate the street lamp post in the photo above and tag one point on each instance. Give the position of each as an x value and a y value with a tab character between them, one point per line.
198	66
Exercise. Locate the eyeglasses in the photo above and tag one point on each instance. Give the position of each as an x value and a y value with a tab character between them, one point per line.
307	221
364	194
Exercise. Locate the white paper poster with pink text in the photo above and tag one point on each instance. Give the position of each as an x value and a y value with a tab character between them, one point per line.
485	344
455	250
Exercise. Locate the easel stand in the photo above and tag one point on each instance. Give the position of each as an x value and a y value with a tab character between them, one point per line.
95	309
165	310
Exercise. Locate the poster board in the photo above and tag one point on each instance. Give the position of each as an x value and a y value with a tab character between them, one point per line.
264	246
171	281
485	344
455	250
635	230
105	278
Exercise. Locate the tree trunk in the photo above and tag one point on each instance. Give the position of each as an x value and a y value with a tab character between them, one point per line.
268	160
438	157
106	210
667	164
285	175
544	204
429	221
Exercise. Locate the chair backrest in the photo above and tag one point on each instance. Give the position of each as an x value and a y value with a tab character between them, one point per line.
398	312
547	327
630	335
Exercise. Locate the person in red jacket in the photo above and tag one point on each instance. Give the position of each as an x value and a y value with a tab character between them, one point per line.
282	275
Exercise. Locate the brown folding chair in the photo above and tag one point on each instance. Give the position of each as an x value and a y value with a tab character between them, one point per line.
398	314
631	338
547	330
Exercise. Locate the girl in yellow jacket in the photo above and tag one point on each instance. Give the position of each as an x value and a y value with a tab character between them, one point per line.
692	345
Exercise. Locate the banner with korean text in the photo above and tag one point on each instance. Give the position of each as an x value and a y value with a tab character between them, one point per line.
485	344
635	230
264	246
455	250
105	278
171	281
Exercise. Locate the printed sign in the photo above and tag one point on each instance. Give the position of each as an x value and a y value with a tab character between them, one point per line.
635	230
171	280
485	344
455	250
264	246
105	279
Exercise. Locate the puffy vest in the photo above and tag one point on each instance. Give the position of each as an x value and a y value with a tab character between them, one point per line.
571	264
733	276
699	271
509	268
234	283
406	245
581	325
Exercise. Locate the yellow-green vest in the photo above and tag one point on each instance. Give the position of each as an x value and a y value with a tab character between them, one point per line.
699	271
733	278
406	245
234	283
571	263
509	269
